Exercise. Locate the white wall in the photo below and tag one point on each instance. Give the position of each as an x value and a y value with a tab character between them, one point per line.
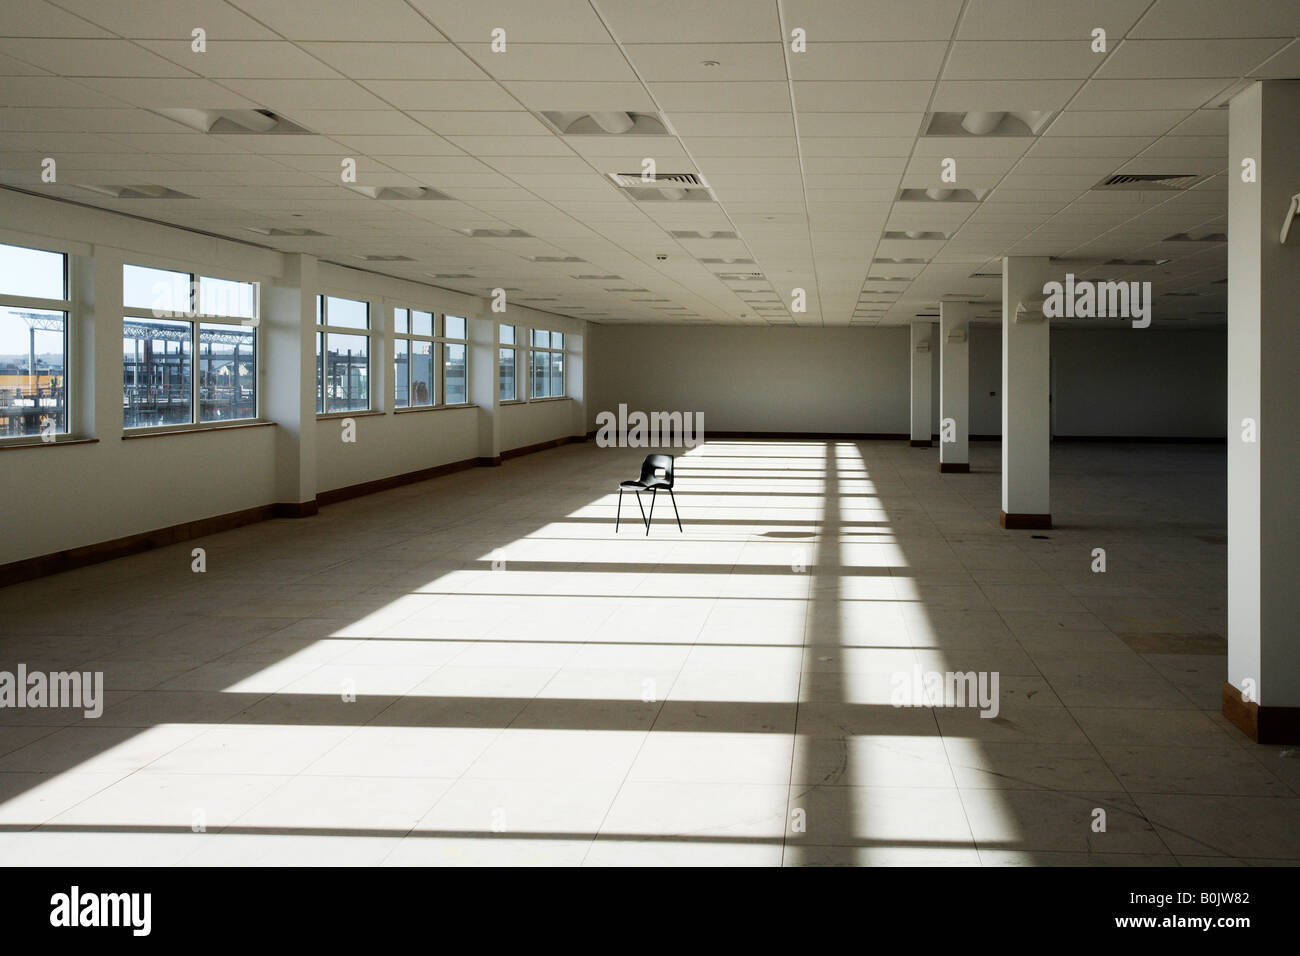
82	494
1137	383
756	379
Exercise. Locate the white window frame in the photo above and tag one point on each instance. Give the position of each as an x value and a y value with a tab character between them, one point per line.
514	347
321	338
38	304
410	337
195	319
443	341
564	357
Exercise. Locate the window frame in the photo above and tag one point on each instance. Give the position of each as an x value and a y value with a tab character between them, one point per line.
196	319
443	340
562	351
321	332
410	337
515	348
65	305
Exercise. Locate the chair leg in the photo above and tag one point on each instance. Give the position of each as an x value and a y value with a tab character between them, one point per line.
618	514
641	506
673	498
654	494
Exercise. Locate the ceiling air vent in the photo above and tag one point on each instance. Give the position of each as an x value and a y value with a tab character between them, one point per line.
556	259
386	258
942	194
1208	237
696	234
1149	181
260	122
669	187
406	193
605	123
915	234
713	261
137	192
739	276
495	233
277	232
1136	262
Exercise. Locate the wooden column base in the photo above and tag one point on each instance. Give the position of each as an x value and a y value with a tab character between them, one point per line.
921	443
1264	725
1013	522
954	467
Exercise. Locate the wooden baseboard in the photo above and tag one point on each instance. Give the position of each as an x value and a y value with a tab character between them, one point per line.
805	436
954	467
1142	439
69	560
42	565
1014	522
541	446
921	442
1264	725
488	462
393	481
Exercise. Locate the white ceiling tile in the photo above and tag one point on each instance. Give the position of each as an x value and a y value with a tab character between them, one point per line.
850	97
1152	59
578	97
749	97
537	21
1134	122
391	20
736	62
1020	60
692	21
869	61
1035	20
1148	94
550	62
396	61
442	95
1211	18
961	95
827	20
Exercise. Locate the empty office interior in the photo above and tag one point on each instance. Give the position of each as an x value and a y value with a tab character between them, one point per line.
334	337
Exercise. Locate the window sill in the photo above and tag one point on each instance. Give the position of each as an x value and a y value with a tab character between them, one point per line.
513	401
432	408
557	398
330	416
135	433
8	446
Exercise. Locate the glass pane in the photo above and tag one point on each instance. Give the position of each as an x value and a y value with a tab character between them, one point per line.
401	372
540	375
164	293
320	370
455	374
541	338
32	272
33	373
557	374
507	335
227	372
156	373
422	323
557	340
227	297
422	390
347	372
399	321
507	390
347	313
454	326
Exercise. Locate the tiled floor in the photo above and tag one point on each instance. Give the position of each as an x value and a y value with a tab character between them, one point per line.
530	688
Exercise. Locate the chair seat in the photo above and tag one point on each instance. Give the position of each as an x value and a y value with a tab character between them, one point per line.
644	485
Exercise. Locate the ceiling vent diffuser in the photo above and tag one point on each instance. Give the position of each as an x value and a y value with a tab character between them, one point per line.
1149	181
670	187
260	122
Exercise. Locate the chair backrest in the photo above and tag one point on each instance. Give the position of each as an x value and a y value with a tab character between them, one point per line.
654	463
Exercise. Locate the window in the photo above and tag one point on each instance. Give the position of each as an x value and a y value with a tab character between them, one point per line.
184	361
546	364
34	310
508	389
455	362
413	352
342	355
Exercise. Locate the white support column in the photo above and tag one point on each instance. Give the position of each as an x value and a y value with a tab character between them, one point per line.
1262	692
485	382
954	386
1026	396
288	383
921	339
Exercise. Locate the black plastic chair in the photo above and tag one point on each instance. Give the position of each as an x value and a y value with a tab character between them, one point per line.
651	482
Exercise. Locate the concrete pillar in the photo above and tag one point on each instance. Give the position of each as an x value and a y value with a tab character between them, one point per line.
1262	692
288	385
922	334
485	381
1026	394
954	385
